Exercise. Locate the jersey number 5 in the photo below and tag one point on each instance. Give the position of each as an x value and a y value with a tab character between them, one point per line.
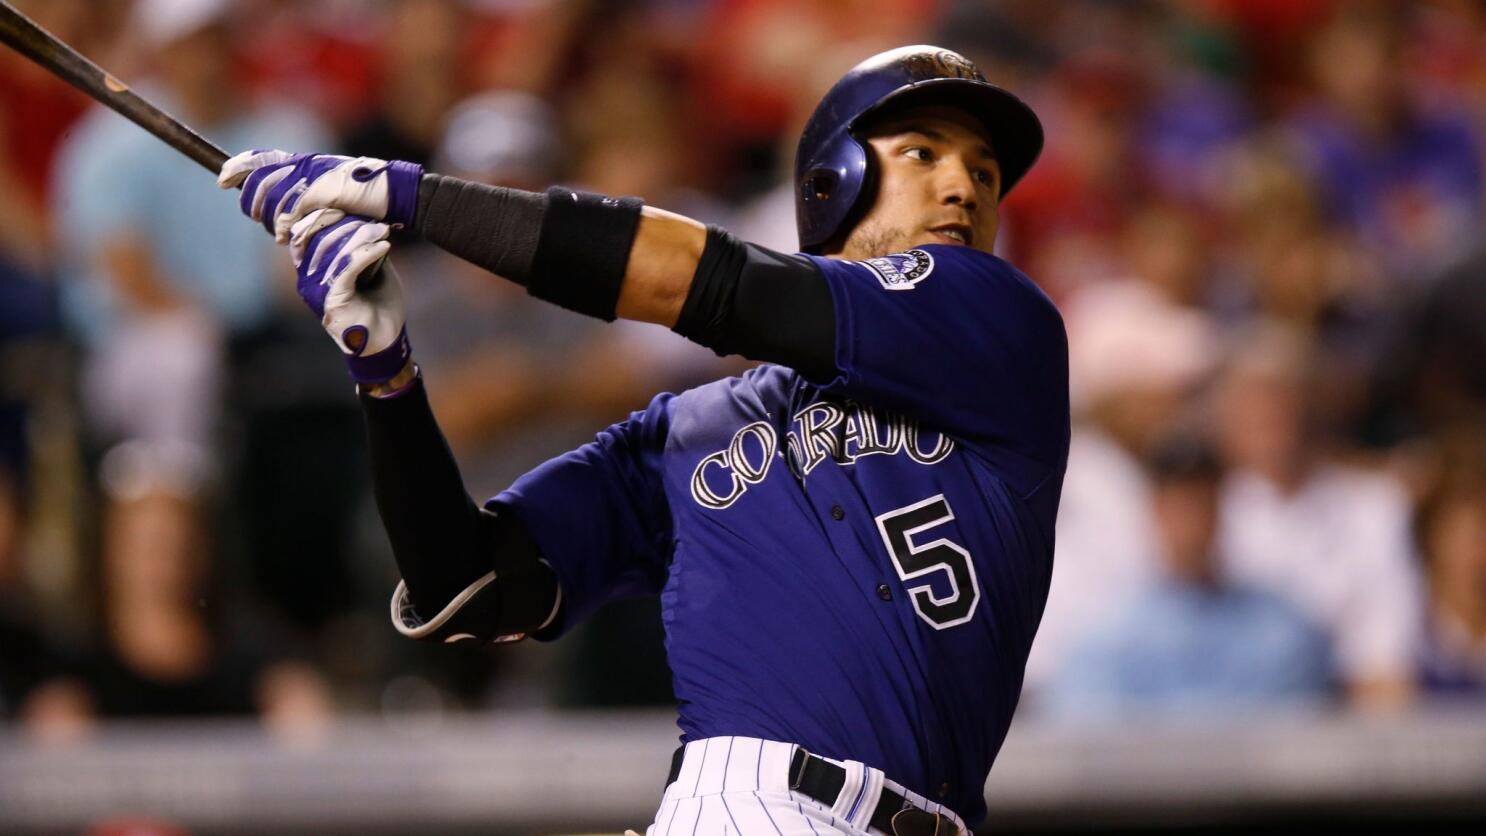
914	560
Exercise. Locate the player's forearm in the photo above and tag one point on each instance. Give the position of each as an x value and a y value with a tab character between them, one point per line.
609	258
603	260
468	572
494	228
661	266
430	520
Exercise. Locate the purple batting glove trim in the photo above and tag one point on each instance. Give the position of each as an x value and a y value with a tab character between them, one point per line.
311	285
385	364
254	182
403	179
308	169
275	195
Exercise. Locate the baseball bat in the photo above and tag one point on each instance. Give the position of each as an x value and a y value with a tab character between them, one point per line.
24	36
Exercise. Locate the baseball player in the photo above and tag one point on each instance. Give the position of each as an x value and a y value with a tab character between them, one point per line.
852	542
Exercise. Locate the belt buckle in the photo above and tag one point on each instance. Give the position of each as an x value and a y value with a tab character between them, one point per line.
912	821
799	777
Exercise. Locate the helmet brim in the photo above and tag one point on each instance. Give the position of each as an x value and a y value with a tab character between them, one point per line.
1014	130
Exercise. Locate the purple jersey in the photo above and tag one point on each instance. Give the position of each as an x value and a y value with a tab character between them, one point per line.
857	567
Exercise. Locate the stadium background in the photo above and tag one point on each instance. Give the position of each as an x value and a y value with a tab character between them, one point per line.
1261	218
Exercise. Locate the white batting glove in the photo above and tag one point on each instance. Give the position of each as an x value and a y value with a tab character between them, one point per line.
337	258
279	189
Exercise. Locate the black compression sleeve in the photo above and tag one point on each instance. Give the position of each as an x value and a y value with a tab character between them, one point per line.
568	248
490	227
442	541
749	300
583	252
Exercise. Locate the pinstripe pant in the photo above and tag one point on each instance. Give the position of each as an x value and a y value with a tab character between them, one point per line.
739	786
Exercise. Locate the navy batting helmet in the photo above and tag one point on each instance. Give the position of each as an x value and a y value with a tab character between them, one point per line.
832	165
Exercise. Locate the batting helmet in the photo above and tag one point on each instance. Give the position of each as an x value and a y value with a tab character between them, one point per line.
833	163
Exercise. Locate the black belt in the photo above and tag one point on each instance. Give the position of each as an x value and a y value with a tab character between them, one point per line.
822	780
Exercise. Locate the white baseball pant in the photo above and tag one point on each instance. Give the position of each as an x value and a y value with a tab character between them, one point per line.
740	786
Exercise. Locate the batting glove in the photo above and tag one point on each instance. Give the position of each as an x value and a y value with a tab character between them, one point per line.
332	251
279	189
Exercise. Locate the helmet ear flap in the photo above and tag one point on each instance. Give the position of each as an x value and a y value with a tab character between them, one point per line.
863	196
826	191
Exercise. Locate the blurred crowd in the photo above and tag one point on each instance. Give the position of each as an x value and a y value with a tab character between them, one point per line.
1261	219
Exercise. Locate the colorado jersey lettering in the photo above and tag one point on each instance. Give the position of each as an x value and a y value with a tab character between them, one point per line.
873	551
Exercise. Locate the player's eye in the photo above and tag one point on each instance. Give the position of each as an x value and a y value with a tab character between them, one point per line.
985	176
920	153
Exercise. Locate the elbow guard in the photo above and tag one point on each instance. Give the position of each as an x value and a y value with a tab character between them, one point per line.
519	596
477	614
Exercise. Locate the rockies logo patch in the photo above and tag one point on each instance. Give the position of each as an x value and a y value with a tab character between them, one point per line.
901	271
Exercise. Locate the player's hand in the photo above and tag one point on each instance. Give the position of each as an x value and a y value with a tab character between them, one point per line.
280	189
337	258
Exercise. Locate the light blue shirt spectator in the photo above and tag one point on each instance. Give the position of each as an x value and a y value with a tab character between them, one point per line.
1188	649
114	179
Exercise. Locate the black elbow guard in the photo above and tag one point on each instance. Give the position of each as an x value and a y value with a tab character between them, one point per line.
519	596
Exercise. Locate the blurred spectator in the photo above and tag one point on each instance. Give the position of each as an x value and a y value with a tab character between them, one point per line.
165	283
418	82
1064	219
1431	375
504	137
1280	256
1004	38
1196	106
323	56
26	657
167	647
1189	641
160	264
1163	247
1332	538
631	129
1451	535
1274	34
1406	179
1283	260
35	657
36	108
1135	361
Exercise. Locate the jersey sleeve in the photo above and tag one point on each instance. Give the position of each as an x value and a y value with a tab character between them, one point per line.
957	338
599	515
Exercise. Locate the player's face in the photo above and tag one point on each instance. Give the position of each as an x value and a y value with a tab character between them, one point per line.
939	183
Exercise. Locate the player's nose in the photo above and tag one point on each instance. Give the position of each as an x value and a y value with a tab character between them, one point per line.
955	182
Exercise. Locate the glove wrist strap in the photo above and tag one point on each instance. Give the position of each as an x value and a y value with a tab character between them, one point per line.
403	179
384	365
